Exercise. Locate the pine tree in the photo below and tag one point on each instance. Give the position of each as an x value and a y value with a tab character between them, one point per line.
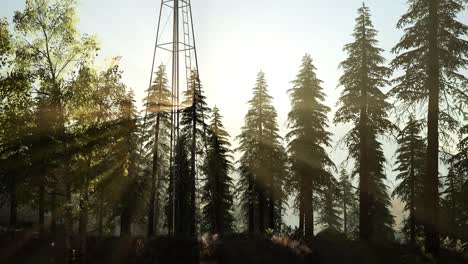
382	221
262	162
348	205
193	128
329	216
183	187
308	139
127	150
217	197
156	136
411	166
455	200
432	53
363	104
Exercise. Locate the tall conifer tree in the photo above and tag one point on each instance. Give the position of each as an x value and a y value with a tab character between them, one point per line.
455	200
156	136
410	166
194	128
363	104
431	53
329	216
348	204
217	197
308	139
262	162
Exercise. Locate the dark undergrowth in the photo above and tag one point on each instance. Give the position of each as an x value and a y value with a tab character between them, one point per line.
24	247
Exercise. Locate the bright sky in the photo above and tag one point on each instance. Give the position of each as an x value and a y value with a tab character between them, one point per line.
237	39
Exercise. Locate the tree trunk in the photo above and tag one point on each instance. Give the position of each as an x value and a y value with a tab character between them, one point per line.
453	225
412	215
345	214
170	206
125	223
251	205
53	210
41	213
364	177
84	200
100	219
154	172
301	207
68	220
271	201
309	209
192	181
218	221
271	211
431	192
126	213
261	208
13	203
157	211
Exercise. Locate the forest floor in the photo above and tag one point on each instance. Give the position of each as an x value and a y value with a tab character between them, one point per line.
27	248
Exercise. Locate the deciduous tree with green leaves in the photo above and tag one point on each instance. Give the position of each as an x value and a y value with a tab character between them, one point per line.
49	43
15	124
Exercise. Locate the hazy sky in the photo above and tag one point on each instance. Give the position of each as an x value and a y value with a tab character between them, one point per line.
236	39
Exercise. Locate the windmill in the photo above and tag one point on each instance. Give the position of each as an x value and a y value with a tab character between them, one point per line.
176	49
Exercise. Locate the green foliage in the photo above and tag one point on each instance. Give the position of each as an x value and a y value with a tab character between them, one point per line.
217	192
413	56
455	199
433	54
5	44
262	162
49	41
308	137
363	104
348	203
156	145
195	111
329	209
410	166
364	69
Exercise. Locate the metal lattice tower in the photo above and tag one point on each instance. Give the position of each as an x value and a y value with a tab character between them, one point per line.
169	46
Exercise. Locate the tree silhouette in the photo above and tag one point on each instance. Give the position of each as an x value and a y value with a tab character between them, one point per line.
217	195
329	216
363	104
431	53
308	139
348	204
50	44
454	203
411	167
261	165
194	129
157	136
